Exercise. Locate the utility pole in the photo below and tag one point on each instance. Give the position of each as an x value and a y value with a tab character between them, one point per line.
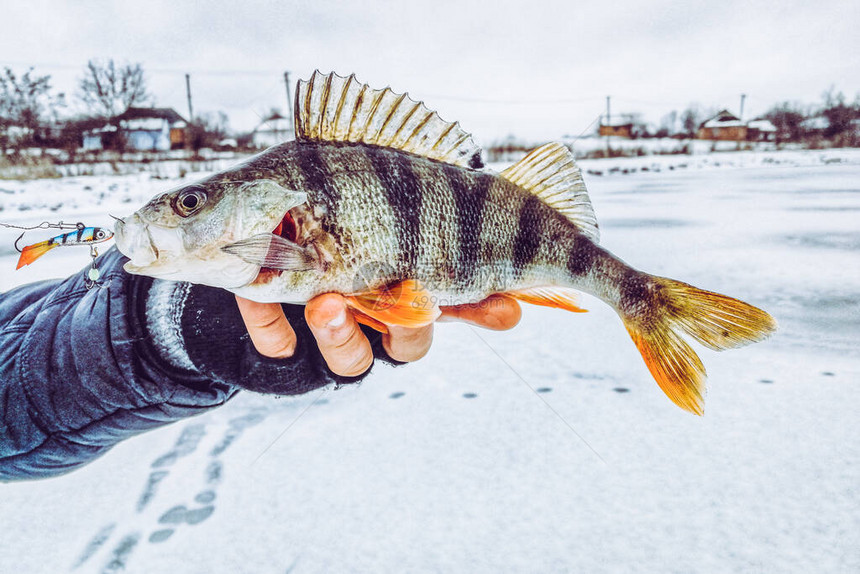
289	96
188	91
743	97
188	144
607	123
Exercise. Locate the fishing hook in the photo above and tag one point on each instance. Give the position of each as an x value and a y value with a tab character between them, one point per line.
92	278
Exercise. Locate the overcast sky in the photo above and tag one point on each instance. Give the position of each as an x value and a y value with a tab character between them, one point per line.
534	68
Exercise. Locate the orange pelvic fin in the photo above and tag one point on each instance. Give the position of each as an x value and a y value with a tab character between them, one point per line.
557	297
369	321
405	304
33	252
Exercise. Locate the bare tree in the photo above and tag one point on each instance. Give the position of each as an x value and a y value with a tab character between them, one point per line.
668	125
787	117
208	129
690	120
109	89
839	114
24	102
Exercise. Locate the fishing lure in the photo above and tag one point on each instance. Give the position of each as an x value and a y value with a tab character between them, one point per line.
81	236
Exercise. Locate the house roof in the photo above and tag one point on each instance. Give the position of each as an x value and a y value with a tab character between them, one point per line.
762	125
616	121
275	123
724	119
815	123
168	114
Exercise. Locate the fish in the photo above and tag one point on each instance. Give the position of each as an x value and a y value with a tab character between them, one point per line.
380	199
81	236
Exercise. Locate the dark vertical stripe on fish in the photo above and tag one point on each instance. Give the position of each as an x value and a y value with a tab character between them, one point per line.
470	198
403	191
527	242
316	175
638	290
582	256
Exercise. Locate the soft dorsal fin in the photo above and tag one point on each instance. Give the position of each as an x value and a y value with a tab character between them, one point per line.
337	109
550	173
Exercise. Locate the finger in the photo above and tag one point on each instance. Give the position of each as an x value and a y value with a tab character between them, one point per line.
343	346
497	312
268	327
406	344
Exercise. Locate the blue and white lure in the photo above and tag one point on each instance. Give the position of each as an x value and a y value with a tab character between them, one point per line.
82	235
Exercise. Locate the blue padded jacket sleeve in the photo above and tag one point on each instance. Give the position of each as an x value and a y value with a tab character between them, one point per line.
77	375
81	370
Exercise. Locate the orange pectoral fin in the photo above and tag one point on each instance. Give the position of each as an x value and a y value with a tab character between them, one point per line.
557	297
405	304
33	252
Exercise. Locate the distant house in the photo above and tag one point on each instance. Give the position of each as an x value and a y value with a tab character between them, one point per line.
723	126
621	126
152	129
273	130
95	139
761	130
815	126
143	129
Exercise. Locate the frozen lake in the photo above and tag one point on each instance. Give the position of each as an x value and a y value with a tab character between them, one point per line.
568	459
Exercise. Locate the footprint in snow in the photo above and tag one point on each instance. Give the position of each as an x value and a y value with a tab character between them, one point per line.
186	444
183	515
121	553
150	489
95	544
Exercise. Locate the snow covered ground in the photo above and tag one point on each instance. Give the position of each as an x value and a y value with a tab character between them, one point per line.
570	459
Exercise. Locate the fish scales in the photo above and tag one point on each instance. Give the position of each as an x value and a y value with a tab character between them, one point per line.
408	214
378	199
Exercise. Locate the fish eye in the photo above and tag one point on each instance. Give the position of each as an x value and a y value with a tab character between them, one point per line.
100	234
189	201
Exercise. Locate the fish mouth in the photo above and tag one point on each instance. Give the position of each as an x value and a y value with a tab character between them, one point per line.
134	240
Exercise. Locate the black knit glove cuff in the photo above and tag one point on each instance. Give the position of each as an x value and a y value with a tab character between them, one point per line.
203	330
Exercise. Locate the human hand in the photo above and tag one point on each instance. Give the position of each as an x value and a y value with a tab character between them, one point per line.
344	346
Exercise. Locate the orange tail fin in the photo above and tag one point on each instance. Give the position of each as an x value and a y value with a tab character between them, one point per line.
33	252
716	321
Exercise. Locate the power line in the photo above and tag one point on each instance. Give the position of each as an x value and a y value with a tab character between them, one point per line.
149	69
513	101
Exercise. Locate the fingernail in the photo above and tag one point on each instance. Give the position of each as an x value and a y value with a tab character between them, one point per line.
339	320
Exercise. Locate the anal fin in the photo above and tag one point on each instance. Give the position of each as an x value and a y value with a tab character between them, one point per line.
557	297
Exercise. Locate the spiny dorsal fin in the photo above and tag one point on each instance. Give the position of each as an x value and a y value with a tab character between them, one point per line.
337	109
550	173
